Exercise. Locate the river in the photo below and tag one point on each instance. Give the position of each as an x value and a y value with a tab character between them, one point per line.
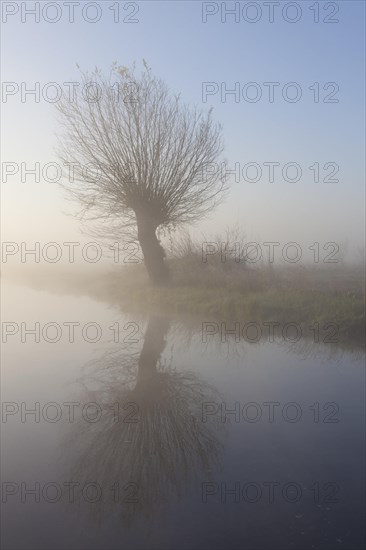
150	433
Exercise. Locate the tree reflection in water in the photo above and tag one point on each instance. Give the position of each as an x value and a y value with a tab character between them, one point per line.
157	444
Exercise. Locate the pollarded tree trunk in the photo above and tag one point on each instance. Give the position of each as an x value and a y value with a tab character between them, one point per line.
152	250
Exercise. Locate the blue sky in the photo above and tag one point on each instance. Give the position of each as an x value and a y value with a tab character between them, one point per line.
186	52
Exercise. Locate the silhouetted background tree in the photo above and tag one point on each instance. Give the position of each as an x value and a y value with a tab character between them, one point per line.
154	158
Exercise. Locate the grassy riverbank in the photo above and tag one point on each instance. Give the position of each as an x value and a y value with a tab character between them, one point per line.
303	307
305	296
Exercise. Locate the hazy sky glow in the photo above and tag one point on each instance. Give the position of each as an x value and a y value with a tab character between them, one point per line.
186	52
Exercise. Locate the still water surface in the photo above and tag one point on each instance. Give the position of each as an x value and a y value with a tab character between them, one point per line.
150	438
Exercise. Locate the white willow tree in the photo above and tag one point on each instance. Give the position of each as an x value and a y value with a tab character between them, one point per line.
154	158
